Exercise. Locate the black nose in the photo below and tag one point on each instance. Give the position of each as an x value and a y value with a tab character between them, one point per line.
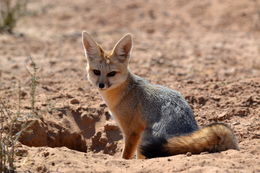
101	85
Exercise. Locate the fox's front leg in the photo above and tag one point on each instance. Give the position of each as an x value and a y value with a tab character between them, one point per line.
131	142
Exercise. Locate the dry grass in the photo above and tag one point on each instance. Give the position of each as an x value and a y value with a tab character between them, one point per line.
10	13
8	123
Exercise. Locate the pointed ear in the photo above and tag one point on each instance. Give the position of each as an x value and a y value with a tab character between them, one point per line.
90	46
123	47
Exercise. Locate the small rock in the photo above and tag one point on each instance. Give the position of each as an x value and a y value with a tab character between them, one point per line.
242	112
216	86
188	154
249	101
68	162
190	82
202	153
202	101
15	66
69	96
21	152
216	98
103	105
110	126
41	169
74	101
222	115
46	154
80	89
235	123
44	104
23	94
150	30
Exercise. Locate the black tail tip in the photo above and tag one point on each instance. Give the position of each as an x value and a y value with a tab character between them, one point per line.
154	147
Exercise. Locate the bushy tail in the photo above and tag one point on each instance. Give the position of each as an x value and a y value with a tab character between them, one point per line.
212	138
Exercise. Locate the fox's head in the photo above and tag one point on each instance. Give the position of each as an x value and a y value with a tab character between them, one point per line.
107	70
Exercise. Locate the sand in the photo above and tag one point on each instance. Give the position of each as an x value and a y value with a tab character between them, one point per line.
207	50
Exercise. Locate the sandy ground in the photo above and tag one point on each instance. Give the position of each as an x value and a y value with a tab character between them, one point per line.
209	50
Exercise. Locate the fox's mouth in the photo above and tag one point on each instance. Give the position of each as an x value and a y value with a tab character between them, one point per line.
106	88
102	89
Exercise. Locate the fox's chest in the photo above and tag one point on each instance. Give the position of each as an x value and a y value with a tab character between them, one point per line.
122	115
128	119
118	111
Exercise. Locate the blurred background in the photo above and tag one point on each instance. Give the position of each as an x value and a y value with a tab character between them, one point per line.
205	38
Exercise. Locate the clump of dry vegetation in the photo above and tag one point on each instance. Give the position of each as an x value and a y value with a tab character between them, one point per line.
10	13
9	120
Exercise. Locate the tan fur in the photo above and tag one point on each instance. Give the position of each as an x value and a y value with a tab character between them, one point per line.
113	97
129	121
212	138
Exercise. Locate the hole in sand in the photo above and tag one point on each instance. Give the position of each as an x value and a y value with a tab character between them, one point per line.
83	129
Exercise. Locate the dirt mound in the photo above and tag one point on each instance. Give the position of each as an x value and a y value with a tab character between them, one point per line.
74	129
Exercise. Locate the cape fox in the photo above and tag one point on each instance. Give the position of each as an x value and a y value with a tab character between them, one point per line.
156	121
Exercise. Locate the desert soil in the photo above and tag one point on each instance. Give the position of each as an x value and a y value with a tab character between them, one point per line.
209	50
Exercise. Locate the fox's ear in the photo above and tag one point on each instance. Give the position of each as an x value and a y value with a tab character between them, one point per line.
90	46
123	47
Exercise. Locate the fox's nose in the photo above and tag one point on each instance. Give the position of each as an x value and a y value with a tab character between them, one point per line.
101	85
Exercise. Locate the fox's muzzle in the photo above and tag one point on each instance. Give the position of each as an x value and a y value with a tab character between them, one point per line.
101	85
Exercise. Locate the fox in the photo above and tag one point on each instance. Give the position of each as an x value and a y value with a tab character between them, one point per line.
155	121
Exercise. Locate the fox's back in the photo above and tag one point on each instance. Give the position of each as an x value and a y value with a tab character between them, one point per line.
166	112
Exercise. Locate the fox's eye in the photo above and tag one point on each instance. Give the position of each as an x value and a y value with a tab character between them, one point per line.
97	72
111	74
